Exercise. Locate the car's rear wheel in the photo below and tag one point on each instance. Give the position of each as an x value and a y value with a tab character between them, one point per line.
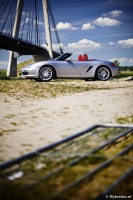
46	73
103	73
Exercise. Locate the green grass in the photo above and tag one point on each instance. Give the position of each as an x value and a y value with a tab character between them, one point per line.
3	72
30	88
23	64
125	120
125	74
3	75
21	88
2	132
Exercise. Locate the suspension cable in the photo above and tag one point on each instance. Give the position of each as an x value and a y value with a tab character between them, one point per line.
25	15
36	24
39	30
12	19
28	30
5	7
54	26
8	14
2	3
32	21
28	24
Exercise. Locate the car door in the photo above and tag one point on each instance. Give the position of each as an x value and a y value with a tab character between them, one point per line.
73	68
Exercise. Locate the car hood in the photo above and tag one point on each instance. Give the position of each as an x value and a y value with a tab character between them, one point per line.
37	64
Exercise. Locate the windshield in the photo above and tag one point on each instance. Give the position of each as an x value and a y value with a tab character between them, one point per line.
63	57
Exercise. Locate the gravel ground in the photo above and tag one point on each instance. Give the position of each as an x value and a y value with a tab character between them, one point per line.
27	123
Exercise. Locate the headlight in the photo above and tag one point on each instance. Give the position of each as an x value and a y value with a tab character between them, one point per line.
113	64
29	66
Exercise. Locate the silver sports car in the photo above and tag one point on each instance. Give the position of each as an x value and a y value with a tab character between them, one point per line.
62	67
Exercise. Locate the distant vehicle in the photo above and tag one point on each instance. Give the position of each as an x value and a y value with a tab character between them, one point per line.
62	67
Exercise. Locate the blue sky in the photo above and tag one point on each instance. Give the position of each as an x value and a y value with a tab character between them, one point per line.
101	28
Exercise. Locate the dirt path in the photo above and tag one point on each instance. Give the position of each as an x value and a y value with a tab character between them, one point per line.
30	124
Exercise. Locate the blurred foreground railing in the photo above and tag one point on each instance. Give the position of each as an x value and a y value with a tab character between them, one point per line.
92	164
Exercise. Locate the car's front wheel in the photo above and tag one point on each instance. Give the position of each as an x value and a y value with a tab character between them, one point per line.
46	73
103	73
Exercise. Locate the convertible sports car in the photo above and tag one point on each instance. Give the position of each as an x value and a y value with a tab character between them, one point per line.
61	67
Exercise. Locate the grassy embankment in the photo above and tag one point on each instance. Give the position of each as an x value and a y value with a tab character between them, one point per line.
124	74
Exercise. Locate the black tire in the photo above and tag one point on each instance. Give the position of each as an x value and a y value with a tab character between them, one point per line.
103	73
89	79
46	73
37	80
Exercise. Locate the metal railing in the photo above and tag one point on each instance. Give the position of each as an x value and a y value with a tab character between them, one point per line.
74	167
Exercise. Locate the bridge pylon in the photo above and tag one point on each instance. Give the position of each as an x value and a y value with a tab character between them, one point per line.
47	28
12	63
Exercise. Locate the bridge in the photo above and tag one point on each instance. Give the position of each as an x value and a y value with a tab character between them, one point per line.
21	34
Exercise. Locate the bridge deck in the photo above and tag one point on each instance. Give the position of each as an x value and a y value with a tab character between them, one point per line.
22	47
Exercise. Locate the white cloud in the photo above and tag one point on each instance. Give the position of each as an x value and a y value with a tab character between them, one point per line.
27	19
87	26
114	13
44	45
39	22
65	26
123	61
126	43
3	62
55	47
111	43
105	21
84	44
131	60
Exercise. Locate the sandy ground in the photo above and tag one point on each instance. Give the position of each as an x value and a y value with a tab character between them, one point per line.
30	124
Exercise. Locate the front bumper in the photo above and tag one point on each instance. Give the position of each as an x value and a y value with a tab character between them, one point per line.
115	71
23	73
28	73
